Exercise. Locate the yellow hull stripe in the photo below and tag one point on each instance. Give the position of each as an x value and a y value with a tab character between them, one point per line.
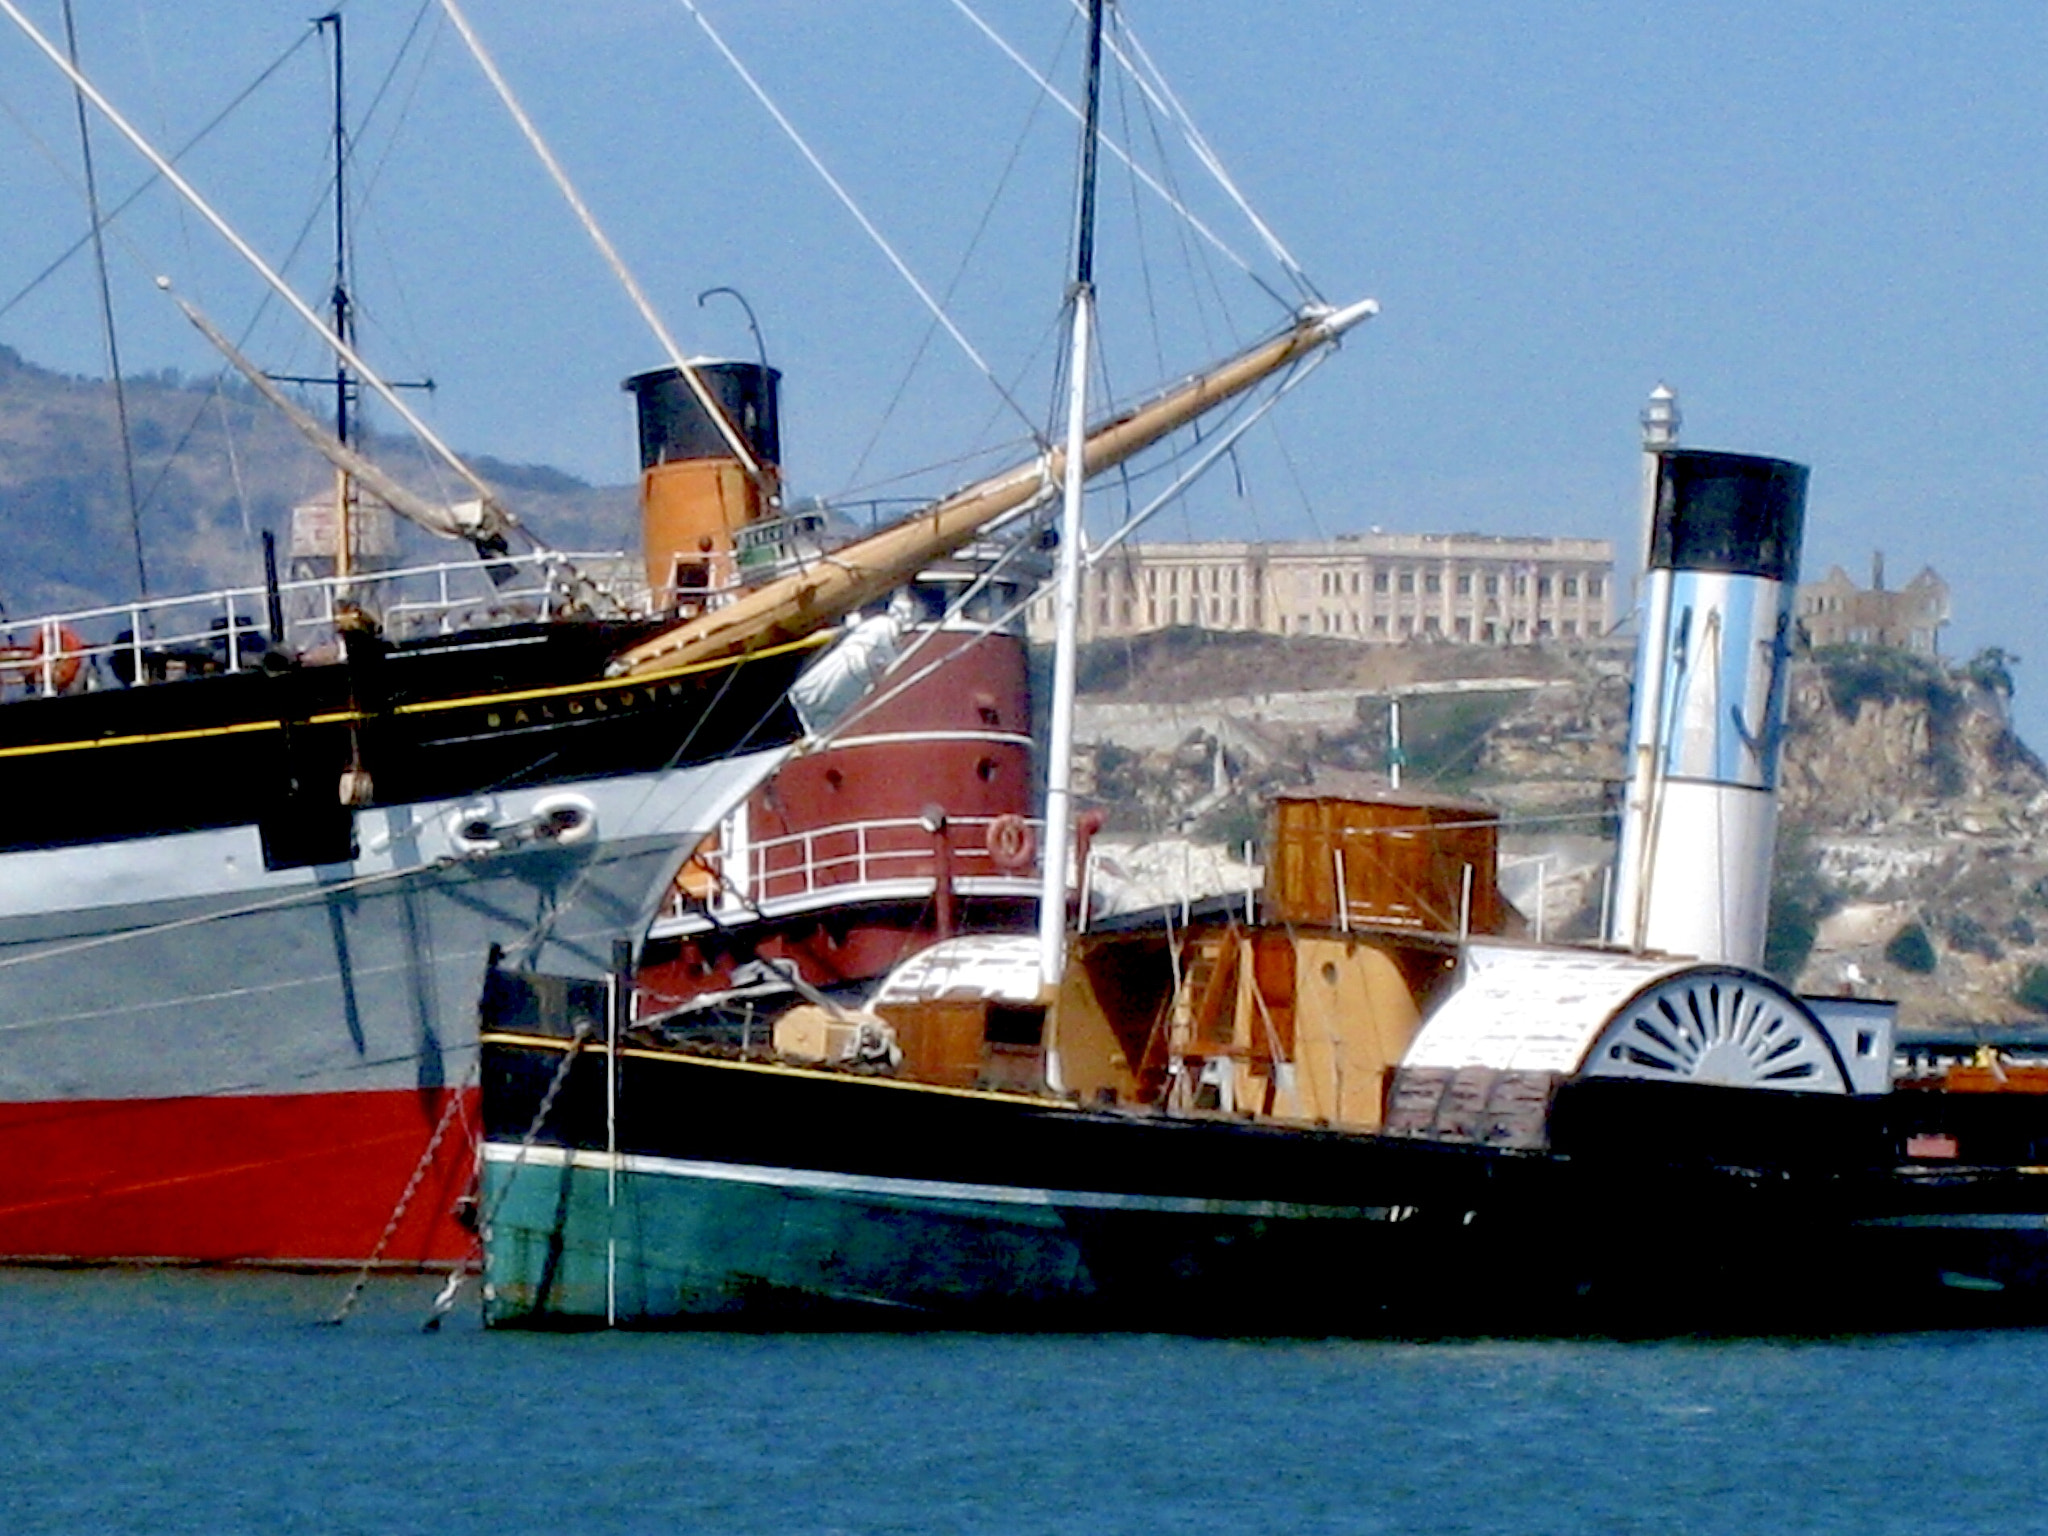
429	707
777	1069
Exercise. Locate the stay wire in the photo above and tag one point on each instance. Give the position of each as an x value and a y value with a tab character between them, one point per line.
1152	80
136	257
155	176
106	293
960	271
366	184
867	225
1177	204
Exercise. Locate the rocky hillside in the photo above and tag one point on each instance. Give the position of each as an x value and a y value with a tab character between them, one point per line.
214	468
1914	856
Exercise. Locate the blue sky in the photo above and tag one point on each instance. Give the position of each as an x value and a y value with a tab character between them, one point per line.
1820	223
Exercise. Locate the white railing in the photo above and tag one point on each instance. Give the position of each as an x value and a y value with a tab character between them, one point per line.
229	629
836	862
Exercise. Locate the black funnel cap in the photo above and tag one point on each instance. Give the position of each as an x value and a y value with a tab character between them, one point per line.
673	425
1730	512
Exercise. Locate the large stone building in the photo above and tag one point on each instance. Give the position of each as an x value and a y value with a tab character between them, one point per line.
1835	611
1465	588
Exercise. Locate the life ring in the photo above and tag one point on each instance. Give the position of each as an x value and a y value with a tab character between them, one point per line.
1010	842
65	660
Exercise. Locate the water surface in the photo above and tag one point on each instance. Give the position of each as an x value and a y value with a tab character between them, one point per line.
180	1401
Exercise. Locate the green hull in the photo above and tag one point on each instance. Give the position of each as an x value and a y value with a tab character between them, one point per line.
572	1247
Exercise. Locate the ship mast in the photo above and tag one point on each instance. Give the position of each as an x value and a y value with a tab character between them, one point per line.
343	310
1059	768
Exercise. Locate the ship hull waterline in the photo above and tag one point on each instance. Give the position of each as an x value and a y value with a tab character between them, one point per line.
725	1194
247	1065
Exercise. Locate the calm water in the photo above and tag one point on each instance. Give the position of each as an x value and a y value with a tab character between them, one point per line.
192	1402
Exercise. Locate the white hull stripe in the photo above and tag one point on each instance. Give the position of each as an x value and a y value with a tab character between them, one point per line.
937	1190
1966	1221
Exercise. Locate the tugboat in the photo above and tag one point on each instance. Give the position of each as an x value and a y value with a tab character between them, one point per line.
907	822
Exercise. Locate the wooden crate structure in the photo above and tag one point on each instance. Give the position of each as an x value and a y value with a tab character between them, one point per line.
1397	860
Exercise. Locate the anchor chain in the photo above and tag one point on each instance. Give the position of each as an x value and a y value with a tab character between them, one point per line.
412	1185
445	1302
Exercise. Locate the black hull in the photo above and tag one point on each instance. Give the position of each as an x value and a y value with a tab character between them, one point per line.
755	1196
428	720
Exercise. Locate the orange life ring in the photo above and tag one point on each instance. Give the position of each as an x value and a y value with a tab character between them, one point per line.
63	668
1010	842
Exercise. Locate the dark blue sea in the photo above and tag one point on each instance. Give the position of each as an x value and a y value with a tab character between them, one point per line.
134	1401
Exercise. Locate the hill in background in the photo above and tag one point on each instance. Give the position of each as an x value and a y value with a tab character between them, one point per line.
1913	849
215	467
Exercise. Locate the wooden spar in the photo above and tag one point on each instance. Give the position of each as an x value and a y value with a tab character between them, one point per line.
867	569
199	205
490	519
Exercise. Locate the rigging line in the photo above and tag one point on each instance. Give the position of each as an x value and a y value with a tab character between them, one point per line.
99	257
959	275
248	253
937	310
134	255
367	185
707	402
1167	196
227	437
1204	283
1196	142
982	630
377	96
299	896
1123	112
220	374
1217	448
1008	449
151	180
542	929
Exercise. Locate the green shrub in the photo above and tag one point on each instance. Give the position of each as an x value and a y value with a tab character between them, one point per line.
1966	934
1800	897
1991	670
2032	989
1863	674
1911	950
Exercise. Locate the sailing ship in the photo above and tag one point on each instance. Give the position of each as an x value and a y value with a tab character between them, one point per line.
240	947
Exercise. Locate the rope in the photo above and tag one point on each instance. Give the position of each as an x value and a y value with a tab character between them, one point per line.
412	1186
1153	84
149	181
937	310
445	1301
1045	85
247	252
106	292
959	273
707	402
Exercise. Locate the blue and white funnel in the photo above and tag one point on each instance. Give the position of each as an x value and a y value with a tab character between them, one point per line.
1699	824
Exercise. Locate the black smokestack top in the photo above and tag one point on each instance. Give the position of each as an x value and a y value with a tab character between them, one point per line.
1730	512
673	425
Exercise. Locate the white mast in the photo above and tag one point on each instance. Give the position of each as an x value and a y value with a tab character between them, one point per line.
1059	801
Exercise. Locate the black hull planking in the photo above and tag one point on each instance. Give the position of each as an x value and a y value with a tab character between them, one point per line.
759	1196
428	720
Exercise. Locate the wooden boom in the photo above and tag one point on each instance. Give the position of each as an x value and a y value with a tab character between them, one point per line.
863	571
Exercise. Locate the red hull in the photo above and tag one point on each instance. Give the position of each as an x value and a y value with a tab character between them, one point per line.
272	1179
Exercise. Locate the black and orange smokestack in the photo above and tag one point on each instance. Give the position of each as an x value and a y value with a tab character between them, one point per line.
695	495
